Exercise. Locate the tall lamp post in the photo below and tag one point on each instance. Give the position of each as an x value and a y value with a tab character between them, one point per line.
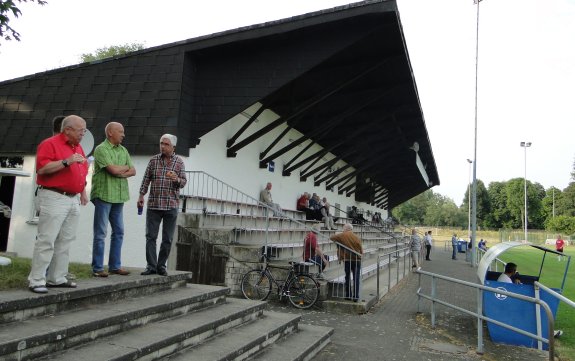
525	145
474	189
469	200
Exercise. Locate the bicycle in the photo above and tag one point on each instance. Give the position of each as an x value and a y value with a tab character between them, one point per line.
301	289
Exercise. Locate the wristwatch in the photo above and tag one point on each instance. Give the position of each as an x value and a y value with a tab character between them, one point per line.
65	162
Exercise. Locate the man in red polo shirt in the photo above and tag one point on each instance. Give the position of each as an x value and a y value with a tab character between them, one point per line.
559	243
61	169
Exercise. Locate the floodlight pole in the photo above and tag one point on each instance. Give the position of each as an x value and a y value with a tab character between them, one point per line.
474	207
525	145
469	200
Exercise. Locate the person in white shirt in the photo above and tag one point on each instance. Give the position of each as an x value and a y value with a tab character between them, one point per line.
428	241
510	271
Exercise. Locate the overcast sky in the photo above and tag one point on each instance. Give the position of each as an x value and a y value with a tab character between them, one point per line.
526	68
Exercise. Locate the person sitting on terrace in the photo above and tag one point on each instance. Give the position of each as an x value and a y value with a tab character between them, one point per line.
266	197
312	253
326	216
315	206
510	274
303	205
356	216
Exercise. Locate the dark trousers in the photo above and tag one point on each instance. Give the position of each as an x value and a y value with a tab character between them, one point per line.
153	219
454	254
428	251
318	261
352	269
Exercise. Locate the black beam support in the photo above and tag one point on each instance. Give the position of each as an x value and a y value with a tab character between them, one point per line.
313	159
286	171
346	177
332	174
249	122
264	162
339	191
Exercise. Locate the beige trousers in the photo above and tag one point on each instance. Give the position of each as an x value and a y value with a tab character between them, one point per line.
57	226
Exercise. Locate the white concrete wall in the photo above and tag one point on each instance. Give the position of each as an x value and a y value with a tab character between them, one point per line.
242	172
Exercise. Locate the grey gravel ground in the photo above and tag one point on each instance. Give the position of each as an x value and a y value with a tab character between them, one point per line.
394	330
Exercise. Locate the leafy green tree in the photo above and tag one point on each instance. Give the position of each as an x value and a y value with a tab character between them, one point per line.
514	190
483	203
413	211
549	202
499	215
111	51
430	208
442	211
562	224
566	204
535	195
8	9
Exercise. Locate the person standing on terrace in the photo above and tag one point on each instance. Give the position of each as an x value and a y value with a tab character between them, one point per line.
165	175
351	260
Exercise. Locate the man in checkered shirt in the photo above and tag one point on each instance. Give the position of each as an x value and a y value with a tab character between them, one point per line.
165	175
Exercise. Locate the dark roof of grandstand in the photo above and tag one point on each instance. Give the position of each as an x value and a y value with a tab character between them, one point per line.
340	76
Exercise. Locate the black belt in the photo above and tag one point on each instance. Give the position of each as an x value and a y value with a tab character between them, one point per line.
68	194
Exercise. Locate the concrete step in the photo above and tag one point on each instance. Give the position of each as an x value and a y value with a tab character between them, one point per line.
160	339
243	341
21	305
302	345
33	338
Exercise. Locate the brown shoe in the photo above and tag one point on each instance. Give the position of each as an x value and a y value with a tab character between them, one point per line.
100	274
120	271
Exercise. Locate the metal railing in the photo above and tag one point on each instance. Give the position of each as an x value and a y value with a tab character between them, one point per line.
389	258
479	312
247	221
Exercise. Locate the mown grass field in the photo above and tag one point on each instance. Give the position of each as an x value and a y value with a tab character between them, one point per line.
16	274
528	260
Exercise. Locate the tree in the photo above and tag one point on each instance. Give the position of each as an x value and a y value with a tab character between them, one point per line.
483	207
499	217
565	206
549	204
9	9
562	224
111	51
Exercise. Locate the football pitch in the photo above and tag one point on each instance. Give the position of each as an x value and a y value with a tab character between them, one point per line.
528	260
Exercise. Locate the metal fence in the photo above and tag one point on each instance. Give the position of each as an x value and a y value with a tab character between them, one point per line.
478	313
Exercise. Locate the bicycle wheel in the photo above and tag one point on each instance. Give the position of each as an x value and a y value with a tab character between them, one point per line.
256	285
303	291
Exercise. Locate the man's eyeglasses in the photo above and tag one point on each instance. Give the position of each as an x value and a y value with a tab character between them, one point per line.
79	130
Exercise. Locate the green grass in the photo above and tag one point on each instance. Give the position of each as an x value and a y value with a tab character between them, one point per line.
16	275
528	260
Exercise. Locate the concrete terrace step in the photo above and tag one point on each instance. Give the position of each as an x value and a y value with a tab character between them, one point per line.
160	339
22	304
303	345
33	338
243	341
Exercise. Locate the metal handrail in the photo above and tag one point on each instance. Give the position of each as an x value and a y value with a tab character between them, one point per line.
479	313
389	255
232	192
555	294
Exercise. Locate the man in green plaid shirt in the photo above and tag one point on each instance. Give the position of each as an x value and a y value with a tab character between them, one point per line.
112	167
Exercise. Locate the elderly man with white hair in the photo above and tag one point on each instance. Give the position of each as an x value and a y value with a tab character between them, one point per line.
350	254
165	175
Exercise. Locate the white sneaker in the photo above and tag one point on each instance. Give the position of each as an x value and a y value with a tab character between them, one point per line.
320	276
558	333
